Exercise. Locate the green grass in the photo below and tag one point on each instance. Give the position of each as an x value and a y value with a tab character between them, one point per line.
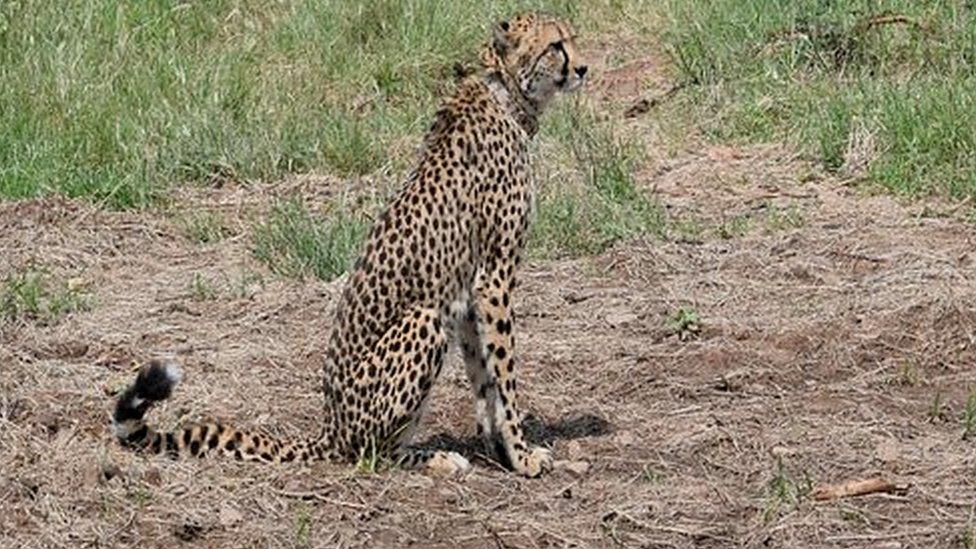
303	527
115	101
684	322
203	227
296	242
784	491
937	411
969	417
897	98
118	101
588	203
33	295
967	539
201	289
593	200
734	227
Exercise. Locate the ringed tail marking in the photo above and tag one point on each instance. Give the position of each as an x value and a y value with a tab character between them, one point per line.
155	383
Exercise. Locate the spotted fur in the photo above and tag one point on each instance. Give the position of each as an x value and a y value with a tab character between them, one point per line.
438	266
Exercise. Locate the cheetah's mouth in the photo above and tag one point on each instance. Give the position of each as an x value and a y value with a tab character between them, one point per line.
568	84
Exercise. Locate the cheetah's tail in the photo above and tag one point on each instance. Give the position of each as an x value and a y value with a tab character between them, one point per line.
155	383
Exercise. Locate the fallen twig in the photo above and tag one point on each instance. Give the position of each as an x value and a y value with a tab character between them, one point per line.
320	497
641	106
805	31
889	19
855	488
880	537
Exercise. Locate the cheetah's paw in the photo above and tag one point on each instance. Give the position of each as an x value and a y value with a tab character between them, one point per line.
535	462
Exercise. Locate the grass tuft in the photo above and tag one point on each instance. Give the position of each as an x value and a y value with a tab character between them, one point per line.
784	490
969	417
587	209
684	322
201	289
303	527
293	242
889	95
204	227
32	295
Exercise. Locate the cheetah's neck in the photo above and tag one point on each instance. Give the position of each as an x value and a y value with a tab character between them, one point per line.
521	108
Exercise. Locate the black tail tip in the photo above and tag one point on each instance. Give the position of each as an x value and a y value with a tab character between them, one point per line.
155	382
157	379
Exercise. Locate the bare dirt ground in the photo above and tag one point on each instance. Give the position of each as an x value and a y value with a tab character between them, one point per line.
836	342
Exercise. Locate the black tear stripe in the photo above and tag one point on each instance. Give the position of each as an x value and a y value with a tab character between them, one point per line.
564	72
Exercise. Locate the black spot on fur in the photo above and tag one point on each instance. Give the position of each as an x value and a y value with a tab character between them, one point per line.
171	447
157	444
137	436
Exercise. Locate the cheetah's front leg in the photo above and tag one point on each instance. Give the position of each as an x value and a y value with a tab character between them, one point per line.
482	383
494	321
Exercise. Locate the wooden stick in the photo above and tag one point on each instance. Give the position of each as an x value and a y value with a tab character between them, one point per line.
644	105
855	488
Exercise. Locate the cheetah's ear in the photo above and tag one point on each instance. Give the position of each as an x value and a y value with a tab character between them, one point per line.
493	54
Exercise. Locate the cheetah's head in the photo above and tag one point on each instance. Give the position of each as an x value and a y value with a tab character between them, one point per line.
538	54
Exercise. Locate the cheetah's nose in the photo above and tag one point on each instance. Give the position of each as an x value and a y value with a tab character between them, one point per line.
581	70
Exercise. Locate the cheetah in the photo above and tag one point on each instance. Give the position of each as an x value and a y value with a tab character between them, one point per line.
438	267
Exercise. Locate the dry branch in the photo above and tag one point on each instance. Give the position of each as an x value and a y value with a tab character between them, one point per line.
855	488
889	19
641	106
799	32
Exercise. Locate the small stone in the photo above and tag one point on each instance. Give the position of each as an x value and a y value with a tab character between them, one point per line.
623	438
577	468
619	319
887	450
110	471
77	284
574	450
72	349
230	517
449	496
152	476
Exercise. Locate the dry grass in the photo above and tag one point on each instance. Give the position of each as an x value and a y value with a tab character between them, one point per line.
820	349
